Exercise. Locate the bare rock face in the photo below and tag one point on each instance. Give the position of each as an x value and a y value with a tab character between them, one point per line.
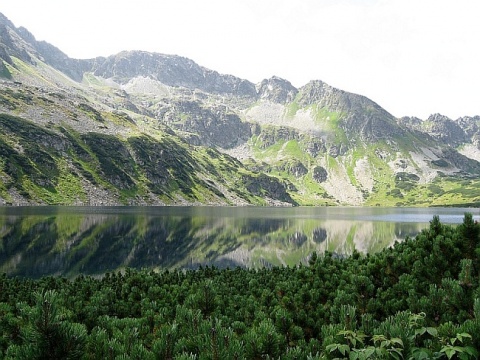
263	185
361	119
444	129
469	125
20	43
337	150
276	90
270	136
315	146
4	73
462	131
294	167
320	174
11	43
212	125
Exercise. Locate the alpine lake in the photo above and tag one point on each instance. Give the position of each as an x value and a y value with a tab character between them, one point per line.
69	241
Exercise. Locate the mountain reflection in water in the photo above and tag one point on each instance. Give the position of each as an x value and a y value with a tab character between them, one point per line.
67	241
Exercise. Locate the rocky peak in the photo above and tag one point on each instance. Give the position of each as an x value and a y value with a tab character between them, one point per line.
5	22
438	118
320	93
170	70
314	92
469	124
360	117
21	43
26	35
277	90
12	43
444	129
411	122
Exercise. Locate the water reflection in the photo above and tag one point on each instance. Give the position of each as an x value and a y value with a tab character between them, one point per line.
68	241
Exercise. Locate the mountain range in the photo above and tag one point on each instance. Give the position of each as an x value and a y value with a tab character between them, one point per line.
141	128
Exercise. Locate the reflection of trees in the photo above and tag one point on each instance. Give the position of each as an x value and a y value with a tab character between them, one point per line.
260	226
319	235
298	238
403	230
24	241
39	246
66	243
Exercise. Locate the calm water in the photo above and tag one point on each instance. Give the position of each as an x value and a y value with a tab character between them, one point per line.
37	241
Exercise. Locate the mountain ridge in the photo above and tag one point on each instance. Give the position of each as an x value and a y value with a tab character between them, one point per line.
321	144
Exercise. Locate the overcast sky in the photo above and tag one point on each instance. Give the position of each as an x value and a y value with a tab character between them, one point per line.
412	57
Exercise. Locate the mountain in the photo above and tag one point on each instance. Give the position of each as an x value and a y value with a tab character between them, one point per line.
149	128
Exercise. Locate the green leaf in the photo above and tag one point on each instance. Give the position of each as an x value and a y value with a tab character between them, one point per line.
471	351
395	350
462	336
377	338
344	349
369	351
420	354
397	341
332	347
432	331
420	331
449	351
396	355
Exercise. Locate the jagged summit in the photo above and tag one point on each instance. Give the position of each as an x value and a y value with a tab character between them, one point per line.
277	90
170	70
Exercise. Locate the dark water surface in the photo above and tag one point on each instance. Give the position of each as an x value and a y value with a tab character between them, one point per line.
38	241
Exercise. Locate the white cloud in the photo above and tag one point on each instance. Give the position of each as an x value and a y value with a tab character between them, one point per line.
412	57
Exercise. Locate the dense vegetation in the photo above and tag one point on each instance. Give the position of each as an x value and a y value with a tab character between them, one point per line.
419	299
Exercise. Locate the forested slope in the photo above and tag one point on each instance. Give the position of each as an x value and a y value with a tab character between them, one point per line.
419	299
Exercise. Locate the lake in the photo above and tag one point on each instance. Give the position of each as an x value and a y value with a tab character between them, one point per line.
67	241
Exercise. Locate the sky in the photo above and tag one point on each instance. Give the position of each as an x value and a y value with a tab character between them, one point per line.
412	57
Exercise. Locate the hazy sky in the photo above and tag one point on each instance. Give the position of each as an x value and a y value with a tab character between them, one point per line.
412	57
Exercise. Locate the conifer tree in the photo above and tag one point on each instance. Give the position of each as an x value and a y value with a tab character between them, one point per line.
47	333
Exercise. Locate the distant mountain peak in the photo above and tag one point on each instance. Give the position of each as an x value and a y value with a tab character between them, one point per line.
277	90
438	117
171	70
4	21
